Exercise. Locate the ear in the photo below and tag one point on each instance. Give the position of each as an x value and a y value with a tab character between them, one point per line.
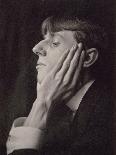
91	57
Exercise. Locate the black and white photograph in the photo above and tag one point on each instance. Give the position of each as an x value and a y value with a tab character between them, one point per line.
57	77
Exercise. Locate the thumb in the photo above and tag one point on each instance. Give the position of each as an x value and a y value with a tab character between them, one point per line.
38	86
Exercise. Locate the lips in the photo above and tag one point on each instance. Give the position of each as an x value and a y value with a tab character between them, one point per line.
39	65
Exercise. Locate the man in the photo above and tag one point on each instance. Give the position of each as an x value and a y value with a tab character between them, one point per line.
72	113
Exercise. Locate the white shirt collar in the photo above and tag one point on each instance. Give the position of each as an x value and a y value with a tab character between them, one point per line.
74	103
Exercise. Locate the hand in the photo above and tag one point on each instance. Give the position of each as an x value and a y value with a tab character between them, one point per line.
60	83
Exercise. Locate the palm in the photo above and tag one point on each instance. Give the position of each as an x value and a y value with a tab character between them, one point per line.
60	82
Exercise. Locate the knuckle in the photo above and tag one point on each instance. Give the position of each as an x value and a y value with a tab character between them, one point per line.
48	98
72	85
73	64
58	79
65	82
67	64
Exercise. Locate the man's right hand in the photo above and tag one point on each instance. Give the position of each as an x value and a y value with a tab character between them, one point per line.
58	85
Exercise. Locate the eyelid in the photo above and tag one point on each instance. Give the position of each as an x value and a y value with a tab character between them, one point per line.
56	40
55	43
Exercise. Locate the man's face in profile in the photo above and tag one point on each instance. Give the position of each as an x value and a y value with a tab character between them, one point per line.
50	49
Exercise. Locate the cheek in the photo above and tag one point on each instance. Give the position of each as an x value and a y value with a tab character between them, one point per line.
66	46
56	54
53	59
71	44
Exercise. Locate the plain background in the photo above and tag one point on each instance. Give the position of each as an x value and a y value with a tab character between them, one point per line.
20	27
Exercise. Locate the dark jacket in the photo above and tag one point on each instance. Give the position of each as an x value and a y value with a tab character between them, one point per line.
90	133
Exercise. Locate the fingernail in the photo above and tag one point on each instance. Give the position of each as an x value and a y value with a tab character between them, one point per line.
80	44
66	51
83	53
74	46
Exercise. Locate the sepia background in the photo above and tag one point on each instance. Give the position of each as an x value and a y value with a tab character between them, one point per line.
20	27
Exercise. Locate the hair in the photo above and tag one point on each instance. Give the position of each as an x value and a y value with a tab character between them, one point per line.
91	35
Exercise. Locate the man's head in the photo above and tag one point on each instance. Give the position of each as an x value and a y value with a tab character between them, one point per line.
72	30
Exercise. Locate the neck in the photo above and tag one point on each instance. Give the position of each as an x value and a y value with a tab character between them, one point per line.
84	78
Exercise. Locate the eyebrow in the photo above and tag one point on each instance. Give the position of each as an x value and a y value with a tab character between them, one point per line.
53	35
59	35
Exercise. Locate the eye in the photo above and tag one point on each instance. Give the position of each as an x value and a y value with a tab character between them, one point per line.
55	44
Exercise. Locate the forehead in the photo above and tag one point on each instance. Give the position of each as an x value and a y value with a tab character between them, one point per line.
64	35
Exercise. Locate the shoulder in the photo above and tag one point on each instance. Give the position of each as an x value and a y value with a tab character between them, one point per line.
100	90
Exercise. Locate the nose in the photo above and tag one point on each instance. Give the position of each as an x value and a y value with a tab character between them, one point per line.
39	49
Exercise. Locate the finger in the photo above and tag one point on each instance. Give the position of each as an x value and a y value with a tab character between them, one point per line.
38	86
73	64
60	62
67	62
76	75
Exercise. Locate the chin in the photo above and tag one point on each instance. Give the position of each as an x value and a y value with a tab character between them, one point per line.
42	73
40	77
39	80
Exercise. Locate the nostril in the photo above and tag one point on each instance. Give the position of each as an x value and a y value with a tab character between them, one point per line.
43	52
39	51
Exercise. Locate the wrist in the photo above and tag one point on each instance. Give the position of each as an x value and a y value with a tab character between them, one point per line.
37	116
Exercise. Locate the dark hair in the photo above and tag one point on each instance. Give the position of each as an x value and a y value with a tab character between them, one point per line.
91	35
